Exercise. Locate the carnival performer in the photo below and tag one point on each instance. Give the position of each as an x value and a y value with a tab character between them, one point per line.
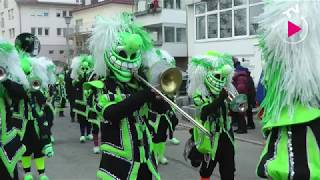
35	130
81	70
126	142
12	84
291	118
209	75
92	90
160	124
49	109
60	94
70	91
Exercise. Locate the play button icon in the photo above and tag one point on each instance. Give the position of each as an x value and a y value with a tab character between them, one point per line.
293	29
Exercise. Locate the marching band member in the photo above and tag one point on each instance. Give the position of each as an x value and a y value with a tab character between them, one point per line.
60	95
161	117
126	144
81	68
291	118
35	129
208	76
12	84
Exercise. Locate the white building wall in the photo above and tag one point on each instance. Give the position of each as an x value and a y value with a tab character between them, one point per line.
13	22
242	47
88	15
52	45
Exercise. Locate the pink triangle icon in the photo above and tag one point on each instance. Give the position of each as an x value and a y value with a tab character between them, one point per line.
293	29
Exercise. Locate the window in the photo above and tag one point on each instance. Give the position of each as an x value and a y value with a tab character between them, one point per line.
212	26
10	14
79	22
200	8
59	31
61	52
12	32
178	4
70	13
181	34
240	22
2	20
212	5
168	4
254	11
200	27
64	13
3	33
51	51
169	34
33	30
40	31
46	31
226	24
240	2
215	19
225	4
46	14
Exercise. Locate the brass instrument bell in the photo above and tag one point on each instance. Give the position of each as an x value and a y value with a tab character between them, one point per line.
166	76
238	102
35	83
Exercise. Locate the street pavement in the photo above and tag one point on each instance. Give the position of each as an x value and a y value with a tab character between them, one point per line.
75	161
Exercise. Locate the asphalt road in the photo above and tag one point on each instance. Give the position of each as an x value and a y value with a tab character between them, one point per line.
73	160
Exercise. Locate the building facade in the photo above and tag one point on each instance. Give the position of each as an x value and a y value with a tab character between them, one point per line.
43	18
228	26
84	16
166	22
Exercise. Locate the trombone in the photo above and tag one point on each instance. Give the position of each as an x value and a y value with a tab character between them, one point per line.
170	81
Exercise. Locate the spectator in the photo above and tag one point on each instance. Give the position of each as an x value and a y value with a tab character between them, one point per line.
243	82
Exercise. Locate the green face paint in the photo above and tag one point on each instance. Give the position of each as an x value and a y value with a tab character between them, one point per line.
125	57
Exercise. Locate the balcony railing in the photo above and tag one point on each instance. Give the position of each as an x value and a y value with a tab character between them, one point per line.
84	28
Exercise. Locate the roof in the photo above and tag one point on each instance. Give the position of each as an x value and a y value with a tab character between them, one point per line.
41	2
79	8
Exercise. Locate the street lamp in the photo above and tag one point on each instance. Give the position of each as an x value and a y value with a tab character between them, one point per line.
68	21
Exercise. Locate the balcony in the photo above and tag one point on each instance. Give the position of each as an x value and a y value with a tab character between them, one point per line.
83	28
167	9
169	38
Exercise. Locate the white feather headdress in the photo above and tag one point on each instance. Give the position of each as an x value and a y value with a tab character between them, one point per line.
75	64
198	67
292	68
39	70
105	35
9	59
50	69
